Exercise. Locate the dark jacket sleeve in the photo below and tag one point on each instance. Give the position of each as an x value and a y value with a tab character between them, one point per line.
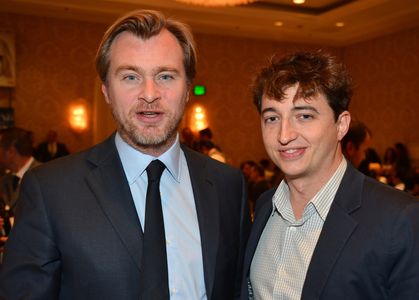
31	265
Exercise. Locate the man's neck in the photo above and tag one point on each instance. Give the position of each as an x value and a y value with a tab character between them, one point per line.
21	165
302	190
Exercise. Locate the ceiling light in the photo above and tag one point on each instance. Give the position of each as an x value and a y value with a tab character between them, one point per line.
298	1
339	24
278	23
216	2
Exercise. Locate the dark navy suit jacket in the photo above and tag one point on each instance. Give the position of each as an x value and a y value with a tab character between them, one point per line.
368	247
77	234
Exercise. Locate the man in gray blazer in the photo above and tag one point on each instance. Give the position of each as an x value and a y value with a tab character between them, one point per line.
327	231
79	233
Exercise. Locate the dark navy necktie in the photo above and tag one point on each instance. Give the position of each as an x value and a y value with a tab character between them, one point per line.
154	275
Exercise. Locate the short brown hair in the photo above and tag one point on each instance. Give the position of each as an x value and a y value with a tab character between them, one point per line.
145	24
357	134
315	72
18	138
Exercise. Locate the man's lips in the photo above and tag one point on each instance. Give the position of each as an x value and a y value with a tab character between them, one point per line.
291	153
149	116
149	113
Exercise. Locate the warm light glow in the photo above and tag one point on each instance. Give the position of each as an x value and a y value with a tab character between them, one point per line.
78	117
299	1
278	23
216	2
198	119
340	24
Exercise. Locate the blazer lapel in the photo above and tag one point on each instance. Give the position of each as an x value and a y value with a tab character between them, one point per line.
261	217
207	207
337	229
108	183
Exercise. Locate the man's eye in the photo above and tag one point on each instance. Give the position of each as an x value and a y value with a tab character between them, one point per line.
129	77
305	117
166	77
271	119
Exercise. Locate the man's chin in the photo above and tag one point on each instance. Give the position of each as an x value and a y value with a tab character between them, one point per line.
150	140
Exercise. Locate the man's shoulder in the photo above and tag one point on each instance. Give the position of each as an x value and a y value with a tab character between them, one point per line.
368	197
385	194
76	162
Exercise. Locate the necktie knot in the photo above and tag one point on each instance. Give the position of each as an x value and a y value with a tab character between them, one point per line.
154	170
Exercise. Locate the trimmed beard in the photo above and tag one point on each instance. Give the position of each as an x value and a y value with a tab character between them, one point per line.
141	139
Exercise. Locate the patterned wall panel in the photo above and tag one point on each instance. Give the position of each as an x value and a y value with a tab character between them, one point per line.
54	68
387	86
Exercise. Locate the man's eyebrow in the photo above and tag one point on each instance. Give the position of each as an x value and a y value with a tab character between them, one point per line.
268	109
166	69
305	107
127	68
138	69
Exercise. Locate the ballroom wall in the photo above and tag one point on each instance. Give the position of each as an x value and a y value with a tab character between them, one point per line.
55	66
385	73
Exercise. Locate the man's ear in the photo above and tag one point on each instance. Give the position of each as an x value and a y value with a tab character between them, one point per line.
105	92
343	122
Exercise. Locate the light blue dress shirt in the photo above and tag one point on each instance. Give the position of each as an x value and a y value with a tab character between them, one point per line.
183	242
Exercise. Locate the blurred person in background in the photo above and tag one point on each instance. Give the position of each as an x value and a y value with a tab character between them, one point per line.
16	157
188	138
208	148
403	165
258	184
51	149
371	165
356	142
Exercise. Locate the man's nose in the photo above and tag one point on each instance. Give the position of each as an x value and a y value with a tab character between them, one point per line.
149	92
287	132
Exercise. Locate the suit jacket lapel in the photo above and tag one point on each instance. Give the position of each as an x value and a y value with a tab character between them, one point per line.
337	229
207	207
257	228
108	183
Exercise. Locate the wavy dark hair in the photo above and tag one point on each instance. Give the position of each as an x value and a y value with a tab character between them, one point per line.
315	73
18	138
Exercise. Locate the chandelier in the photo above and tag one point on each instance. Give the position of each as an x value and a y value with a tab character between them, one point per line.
217	2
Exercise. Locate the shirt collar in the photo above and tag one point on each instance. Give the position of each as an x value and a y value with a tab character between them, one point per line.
25	167
322	201
135	162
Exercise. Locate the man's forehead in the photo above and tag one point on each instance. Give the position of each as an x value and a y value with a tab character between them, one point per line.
296	99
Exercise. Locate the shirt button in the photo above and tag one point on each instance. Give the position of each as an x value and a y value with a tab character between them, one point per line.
173	291
167	242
